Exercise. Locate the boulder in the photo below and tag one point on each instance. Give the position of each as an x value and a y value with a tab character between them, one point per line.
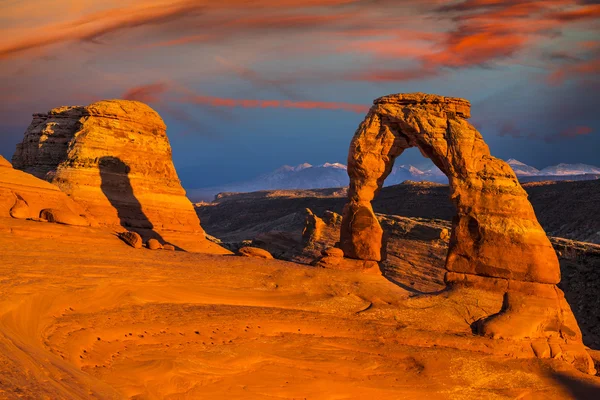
333	252
65	217
168	247
255	252
496	242
154	244
114	158
444	235
132	238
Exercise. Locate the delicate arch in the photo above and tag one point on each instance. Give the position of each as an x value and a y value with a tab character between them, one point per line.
495	232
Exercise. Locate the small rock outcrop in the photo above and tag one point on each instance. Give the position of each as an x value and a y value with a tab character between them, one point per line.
114	158
313	228
62	217
496	242
168	247
132	238
254	252
23	196
154	244
333	252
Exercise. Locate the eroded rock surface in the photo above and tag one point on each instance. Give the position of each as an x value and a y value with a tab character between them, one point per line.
114	158
496	242
23	196
313	228
154	244
132	238
254	252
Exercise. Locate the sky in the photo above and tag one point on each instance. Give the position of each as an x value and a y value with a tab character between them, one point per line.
247	86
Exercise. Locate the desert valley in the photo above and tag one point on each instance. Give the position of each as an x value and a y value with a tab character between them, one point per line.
111	288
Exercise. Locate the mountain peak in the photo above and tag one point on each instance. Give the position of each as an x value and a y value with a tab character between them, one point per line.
333	165
522	169
302	166
512	161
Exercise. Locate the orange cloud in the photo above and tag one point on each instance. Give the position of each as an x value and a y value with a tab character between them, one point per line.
581	69
580	13
155	92
394	75
146	93
576	131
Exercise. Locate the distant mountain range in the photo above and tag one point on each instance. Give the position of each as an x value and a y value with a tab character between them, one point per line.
331	175
522	169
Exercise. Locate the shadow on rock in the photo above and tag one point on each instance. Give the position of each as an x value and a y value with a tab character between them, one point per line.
578	388
116	186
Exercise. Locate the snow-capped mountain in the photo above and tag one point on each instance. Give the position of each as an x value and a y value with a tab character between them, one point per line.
307	176
332	175
522	169
562	170
403	173
570	169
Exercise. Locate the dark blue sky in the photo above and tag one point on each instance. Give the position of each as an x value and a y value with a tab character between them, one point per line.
245	88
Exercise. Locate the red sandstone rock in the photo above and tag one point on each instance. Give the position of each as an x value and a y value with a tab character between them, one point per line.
132	238
333	252
24	196
313	228
254	252
154	244
496	241
114	158
64	217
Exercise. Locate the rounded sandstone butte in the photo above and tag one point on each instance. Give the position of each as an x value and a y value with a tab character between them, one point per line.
114	158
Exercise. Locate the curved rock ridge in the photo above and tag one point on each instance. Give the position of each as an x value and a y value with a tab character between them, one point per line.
496	241
24	196
114	158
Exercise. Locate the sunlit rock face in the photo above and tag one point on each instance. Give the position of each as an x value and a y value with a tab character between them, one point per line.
114	158
24	196
496	242
495	231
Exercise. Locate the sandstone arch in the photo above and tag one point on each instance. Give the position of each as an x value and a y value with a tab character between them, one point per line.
496	241
495	231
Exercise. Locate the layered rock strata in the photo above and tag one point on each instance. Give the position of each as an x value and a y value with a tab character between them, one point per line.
496	241
24	196
114	158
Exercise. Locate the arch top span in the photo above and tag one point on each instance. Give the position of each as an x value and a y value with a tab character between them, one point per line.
460	107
